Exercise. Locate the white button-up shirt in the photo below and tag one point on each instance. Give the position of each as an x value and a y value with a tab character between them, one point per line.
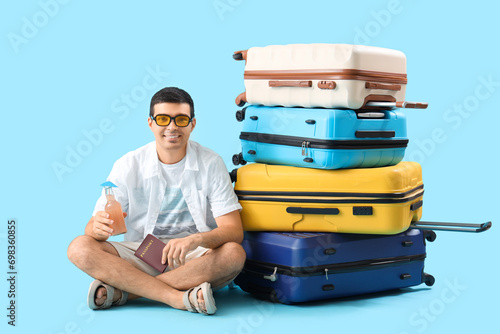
205	185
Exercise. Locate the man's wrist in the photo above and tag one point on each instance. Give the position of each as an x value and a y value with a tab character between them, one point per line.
97	237
198	238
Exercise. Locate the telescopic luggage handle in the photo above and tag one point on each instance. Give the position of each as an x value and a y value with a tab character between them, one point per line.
458	227
404	104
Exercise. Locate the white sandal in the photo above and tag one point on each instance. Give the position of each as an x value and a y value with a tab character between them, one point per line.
110	292
208	297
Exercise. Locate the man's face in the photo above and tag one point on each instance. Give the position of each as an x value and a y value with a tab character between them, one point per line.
171	137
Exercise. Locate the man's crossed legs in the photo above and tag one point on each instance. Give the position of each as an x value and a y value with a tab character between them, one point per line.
101	260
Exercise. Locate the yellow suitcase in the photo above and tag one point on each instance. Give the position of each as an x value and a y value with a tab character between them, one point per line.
382	200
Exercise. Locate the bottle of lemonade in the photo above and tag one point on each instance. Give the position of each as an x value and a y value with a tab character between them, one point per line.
114	209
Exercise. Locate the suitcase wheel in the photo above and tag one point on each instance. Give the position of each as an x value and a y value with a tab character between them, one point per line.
238	159
430	235
429	279
240	115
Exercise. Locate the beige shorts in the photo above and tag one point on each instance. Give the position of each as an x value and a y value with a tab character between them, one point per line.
126	250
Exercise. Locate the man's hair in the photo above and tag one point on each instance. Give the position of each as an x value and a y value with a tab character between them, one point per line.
171	95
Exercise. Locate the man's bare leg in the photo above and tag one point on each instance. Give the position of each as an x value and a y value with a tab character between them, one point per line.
95	258
217	266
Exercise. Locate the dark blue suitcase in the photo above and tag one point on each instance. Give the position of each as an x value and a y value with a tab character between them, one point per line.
299	267
321	138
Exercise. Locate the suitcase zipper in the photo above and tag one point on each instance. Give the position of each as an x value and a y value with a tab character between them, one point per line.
327	74
306	143
327	194
332	201
305	146
298	197
258	267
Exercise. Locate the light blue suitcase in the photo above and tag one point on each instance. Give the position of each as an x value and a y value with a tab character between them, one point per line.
321	138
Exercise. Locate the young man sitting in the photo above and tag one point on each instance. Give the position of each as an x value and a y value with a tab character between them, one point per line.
180	192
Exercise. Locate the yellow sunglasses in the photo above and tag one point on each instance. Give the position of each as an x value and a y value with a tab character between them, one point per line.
179	120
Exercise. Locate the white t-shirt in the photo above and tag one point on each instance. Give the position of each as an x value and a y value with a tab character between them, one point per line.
174	219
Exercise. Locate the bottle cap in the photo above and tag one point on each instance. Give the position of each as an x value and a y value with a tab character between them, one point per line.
108	184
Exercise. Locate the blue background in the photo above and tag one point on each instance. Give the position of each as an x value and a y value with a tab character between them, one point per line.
71	67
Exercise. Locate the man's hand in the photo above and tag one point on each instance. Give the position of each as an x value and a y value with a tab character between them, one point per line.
177	249
102	226
229	229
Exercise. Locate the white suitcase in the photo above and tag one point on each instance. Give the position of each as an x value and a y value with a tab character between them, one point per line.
324	75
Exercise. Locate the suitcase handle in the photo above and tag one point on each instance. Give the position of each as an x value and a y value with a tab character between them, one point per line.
241	99
313	211
457	227
413	105
290	83
378	85
404	104
370	115
233	175
240	55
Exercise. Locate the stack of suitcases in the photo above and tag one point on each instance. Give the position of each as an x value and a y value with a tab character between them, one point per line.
329	207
